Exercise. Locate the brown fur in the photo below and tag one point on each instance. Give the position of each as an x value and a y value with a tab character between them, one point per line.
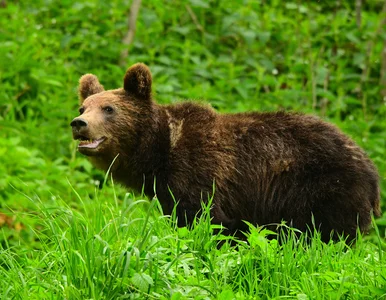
266	167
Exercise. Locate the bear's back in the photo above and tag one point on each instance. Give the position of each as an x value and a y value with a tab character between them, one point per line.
266	167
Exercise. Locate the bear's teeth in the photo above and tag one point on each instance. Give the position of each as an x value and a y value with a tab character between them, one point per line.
85	141
91	143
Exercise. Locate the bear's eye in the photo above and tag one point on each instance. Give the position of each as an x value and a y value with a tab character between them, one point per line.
81	110
108	109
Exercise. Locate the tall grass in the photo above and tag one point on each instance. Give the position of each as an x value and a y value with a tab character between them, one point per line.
128	249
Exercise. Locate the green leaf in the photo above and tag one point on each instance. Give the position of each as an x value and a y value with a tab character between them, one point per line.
142	281
176	296
199	3
226	294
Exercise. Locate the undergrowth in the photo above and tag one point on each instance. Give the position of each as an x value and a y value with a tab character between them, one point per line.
129	250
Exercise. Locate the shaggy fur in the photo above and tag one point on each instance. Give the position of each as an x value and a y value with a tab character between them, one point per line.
266	167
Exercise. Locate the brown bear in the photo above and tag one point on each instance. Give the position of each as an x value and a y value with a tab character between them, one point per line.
259	167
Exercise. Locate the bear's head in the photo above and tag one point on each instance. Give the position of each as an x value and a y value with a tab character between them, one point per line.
109	120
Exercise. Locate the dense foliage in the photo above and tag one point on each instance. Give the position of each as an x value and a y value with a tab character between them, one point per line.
64	236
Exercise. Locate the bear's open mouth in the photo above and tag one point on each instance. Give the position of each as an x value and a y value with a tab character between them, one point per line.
89	143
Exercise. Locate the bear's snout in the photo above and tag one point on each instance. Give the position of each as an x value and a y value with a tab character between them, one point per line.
78	124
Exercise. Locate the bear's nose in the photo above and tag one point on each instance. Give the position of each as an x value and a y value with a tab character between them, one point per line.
78	123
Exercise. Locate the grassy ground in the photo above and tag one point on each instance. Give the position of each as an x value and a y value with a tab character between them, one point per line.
67	232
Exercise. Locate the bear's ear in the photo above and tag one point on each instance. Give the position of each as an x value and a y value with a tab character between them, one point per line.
89	85
137	81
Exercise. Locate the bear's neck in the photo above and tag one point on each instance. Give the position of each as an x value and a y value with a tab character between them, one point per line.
147	164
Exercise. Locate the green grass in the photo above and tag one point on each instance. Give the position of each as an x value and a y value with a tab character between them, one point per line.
129	250
65	233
